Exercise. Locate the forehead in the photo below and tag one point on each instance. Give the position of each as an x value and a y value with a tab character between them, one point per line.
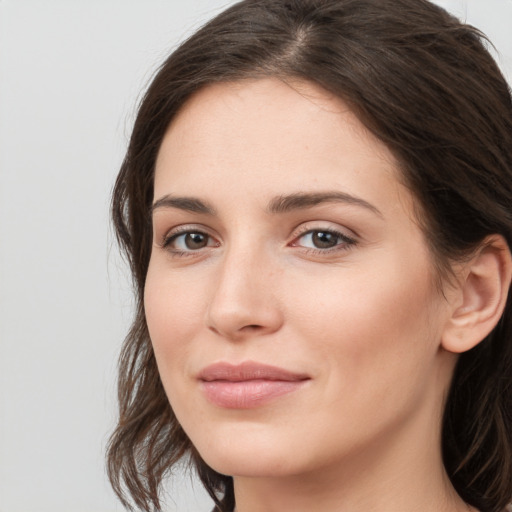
270	137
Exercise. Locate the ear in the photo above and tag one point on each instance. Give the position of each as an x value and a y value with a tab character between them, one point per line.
481	296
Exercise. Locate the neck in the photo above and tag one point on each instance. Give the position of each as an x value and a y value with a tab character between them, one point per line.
357	487
360	492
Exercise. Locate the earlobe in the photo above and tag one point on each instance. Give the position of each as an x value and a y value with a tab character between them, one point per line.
482	295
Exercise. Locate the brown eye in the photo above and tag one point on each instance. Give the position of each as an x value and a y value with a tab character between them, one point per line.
189	241
324	239
195	240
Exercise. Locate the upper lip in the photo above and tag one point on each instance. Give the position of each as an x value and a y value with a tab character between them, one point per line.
248	370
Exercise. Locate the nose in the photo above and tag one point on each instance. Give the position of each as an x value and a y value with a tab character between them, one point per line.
244	303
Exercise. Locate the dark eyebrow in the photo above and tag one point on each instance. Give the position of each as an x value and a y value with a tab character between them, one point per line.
189	204
280	204
302	200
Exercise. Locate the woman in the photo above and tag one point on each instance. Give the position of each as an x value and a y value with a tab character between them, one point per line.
316	206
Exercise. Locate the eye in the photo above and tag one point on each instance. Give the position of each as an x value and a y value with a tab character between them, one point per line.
323	239
188	241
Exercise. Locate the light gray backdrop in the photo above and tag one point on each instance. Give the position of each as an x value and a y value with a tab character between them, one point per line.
70	74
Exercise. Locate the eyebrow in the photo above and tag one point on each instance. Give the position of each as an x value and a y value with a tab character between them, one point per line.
189	204
303	200
279	204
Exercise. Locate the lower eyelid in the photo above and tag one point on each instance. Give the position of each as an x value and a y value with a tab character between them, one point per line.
169	238
176	232
343	238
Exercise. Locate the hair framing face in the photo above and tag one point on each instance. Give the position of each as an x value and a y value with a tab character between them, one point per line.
425	85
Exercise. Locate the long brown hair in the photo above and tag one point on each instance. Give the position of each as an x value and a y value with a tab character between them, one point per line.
423	83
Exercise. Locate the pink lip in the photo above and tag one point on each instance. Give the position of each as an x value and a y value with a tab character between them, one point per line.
247	385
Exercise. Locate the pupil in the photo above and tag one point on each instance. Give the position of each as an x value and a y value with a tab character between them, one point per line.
195	241
324	240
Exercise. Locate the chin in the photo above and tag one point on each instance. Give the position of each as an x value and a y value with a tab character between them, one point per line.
250	453
250	464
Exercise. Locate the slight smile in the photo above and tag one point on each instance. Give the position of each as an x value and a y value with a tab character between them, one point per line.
247	385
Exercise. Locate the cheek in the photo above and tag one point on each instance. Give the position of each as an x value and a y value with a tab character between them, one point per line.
175	308
369	335
372	327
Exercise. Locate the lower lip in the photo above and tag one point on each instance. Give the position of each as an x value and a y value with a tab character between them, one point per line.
247	394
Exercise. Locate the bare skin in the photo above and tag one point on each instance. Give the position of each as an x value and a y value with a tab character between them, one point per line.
283	236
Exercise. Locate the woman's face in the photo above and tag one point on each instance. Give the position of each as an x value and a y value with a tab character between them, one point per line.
290	296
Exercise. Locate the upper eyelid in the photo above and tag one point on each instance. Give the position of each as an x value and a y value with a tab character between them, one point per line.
346	240
300	230
309	226
176	231
188	228
324	230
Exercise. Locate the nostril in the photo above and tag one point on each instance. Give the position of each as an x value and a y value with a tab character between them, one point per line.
235	334
252	327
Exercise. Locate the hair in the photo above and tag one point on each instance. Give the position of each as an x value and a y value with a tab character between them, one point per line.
423	83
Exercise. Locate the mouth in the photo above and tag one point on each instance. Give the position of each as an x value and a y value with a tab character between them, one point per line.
248	385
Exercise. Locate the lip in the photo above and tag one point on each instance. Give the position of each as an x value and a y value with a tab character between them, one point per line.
247	385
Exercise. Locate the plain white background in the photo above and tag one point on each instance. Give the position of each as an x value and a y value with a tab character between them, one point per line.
71	72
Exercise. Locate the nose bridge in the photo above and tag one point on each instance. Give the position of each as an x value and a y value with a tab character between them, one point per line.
244	299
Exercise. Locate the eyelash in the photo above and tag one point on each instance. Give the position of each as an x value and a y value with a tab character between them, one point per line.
175	234
344	242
